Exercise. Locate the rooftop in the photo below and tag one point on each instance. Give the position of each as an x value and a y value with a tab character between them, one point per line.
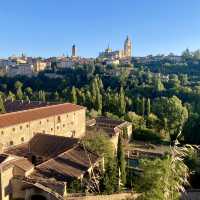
43	145
68	165
19	105
19	117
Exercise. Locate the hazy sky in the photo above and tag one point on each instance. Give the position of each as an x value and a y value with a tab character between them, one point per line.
50	27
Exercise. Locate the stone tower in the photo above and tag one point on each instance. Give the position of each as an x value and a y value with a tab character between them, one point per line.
74	50
128	47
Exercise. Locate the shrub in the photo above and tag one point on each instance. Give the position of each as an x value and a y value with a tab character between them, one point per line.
145	134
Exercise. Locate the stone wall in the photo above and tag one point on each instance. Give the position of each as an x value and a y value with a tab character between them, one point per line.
121	196
5	177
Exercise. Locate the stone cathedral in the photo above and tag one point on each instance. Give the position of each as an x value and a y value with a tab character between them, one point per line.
118	54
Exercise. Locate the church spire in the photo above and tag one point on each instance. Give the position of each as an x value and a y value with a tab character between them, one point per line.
128	47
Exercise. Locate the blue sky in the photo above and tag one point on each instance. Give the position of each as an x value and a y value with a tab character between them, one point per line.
50	27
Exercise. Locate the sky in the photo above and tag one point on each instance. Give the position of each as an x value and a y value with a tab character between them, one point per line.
50	27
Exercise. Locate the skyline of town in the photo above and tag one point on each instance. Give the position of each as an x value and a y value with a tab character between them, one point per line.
51	28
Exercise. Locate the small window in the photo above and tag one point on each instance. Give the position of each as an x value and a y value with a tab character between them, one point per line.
20	127
59	119
27	125
13	129
51	129
22	139
40	122
63	125
73	133
43	131
47	120
2	132
57	127
67	116
11	143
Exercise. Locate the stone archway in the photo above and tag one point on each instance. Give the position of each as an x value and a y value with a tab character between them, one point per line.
38	197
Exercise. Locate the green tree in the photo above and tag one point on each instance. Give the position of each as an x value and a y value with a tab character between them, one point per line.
143	106
148	107
187	54
109	180
191	131
121	163
164	179
11	96
158	85
73	96
100	143
56	96
28	91
19	94
42	96
172	112
122	102
2	107
18	85
137	120
98	102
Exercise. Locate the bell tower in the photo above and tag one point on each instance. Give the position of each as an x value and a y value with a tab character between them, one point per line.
128	47
74	51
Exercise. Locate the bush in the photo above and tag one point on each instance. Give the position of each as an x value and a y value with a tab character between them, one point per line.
145	134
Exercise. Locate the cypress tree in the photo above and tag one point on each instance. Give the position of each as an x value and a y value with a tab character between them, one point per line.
19	94
143	107
109	181
42	95
121	163
73	95
138	105
148	107
2	108
122	102
56	96
98	102
11	96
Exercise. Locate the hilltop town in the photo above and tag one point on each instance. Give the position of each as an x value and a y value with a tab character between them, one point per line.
98	128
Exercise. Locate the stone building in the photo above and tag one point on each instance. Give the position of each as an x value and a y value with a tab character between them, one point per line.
74	51
20	70
60	119
39	65
44	167
111	127
41	152
118	54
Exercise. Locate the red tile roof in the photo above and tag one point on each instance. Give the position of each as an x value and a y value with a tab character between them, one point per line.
43	145
14	118
68	165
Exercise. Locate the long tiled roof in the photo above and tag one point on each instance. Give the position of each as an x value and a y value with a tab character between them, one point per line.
14	118
19	105
68	165
43	145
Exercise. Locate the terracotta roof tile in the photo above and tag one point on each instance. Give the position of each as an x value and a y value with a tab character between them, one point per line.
44	145
24	164
68	165
14	118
